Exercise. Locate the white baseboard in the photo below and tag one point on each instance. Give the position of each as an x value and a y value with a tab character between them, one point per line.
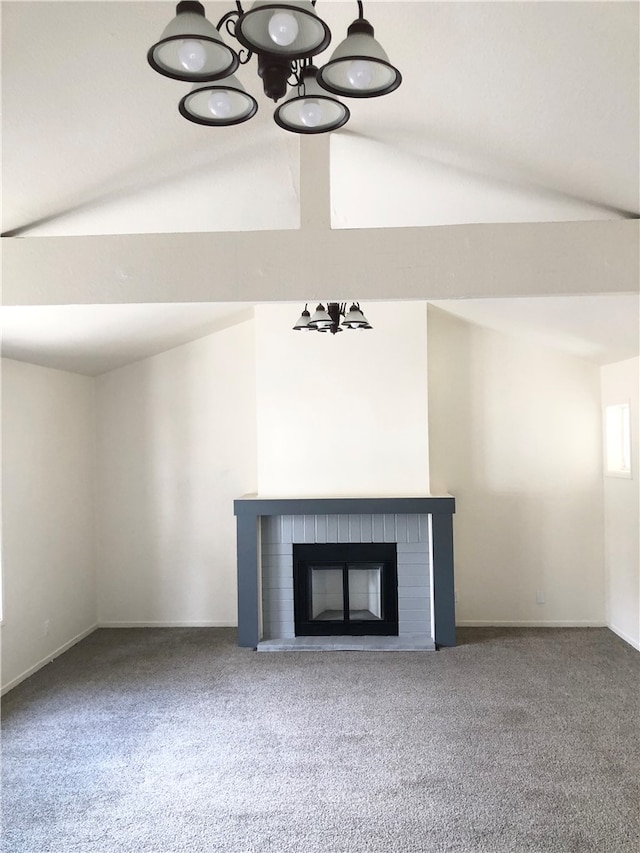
624	636
195	624
561	623
46	660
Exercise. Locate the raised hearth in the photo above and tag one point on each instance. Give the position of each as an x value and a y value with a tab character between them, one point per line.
348	644
420	529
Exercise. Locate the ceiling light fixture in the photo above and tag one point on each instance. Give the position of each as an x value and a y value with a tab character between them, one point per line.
284	37
328	319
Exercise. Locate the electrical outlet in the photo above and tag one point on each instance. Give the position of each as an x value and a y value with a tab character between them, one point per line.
540	597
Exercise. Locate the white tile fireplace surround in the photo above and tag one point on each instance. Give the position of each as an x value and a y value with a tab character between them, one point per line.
421	529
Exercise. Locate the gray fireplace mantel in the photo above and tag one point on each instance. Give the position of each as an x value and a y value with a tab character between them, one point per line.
250	509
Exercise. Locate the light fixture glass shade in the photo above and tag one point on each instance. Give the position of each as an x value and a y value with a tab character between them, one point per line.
289	30
355	319
191	48
303	323
359	66
218	104
320	319
313	111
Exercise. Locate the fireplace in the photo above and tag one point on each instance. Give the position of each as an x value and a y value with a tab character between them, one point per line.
345	590
420	528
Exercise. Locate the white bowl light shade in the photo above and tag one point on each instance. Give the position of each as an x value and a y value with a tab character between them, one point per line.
191	48
313	111
355	319
289	30
320	319
218	104
359	66
303	323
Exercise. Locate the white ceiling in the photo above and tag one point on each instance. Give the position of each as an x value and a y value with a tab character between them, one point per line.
93	339
508	112
601	329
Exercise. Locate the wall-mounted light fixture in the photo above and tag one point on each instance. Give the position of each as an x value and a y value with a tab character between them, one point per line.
328	320
284	37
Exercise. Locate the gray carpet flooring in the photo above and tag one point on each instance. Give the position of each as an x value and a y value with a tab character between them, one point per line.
171	740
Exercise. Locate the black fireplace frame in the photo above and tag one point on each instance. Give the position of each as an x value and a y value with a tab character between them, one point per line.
345	555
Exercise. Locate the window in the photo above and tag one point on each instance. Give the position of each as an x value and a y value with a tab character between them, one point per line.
617	441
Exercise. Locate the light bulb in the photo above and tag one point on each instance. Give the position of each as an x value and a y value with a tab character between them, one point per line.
220	103
360	73
310	113
283	29
192	55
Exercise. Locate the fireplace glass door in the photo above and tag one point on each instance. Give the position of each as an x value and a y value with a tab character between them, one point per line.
337	590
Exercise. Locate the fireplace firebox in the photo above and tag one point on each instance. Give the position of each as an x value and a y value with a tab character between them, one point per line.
345	589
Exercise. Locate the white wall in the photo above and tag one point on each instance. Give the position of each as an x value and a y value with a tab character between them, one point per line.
622	512
515	436
176	444
47	515
343	414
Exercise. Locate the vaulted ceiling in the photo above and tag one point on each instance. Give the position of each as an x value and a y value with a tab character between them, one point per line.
515	112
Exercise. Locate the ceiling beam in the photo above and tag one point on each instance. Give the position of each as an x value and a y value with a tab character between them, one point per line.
445	262
315	181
